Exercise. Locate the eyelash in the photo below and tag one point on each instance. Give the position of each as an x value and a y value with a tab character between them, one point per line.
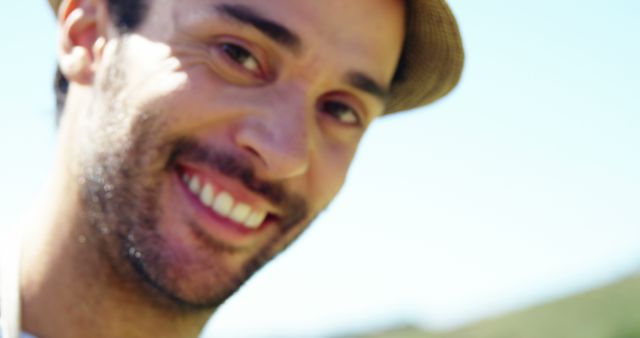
329	105
240	55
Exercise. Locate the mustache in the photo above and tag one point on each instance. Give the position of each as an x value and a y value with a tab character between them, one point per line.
294	207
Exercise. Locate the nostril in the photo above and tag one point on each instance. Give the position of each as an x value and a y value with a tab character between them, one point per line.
254	153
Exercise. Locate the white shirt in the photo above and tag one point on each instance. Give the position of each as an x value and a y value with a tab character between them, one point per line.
10	289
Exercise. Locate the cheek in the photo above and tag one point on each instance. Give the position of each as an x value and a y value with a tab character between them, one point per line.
189	96
156	78
329	171
171	96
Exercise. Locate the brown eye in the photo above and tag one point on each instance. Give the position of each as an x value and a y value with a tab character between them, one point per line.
241	56
343	113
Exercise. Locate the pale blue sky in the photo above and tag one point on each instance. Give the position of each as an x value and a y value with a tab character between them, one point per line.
521	186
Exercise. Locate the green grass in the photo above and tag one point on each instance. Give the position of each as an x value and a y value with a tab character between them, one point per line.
609	312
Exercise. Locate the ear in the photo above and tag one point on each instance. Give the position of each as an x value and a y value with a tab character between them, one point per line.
83	27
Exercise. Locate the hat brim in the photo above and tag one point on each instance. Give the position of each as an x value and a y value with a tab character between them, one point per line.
54	5
432	57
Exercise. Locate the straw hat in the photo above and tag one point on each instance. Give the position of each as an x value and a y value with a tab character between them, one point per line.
432	59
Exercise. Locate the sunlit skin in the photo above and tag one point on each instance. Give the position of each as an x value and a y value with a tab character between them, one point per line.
121	246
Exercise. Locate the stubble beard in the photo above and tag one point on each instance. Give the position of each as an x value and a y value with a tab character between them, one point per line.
123	167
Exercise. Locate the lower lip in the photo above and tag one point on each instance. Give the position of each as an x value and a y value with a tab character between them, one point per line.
215	225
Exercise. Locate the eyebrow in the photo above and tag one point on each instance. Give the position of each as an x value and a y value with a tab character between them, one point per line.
367	84
291	41
277	32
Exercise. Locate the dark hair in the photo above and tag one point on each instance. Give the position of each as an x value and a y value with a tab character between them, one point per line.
126	16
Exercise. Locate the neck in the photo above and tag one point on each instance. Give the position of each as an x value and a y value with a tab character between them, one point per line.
70	289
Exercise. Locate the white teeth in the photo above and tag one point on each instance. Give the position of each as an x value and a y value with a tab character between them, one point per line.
223	204
194	185
206	196
240	213
256	219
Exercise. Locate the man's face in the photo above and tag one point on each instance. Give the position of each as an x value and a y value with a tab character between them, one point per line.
219	129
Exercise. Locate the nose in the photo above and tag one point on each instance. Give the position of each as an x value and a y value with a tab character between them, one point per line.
277	138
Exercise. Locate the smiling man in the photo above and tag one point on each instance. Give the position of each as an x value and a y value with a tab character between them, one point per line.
199	138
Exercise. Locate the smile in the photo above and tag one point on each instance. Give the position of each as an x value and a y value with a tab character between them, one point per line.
222	202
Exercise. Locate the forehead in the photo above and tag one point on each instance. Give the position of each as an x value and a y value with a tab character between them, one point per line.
368	32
